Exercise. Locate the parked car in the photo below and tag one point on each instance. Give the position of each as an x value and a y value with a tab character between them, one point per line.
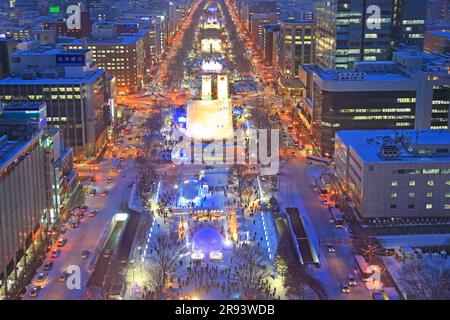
85	254
62	277
345	288
61	242
48	265
351	280
35	291
104	193
330	248
41	277
107	253
56	253
74	225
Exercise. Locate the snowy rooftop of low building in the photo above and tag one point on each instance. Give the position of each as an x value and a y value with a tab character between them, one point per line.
119	40
442	33
89	77
367	144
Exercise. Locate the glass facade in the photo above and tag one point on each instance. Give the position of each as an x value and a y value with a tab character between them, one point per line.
347	32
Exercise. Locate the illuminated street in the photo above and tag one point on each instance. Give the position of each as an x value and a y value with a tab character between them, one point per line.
224	150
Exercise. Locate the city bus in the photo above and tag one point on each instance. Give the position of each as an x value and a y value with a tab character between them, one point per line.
321	187
116	165
336	215
318	161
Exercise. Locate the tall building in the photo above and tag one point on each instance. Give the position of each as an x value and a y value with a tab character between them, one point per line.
437	41
7	47
258	13
269	35
158	27
296	47
76	94
347	31
396	175
257	23
408	23
123	56
37	184
15	32
410	92
438	11
62	178
23	197
60	25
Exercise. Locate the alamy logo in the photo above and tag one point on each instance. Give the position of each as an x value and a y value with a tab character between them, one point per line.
244	147
374	19
73	280
74	17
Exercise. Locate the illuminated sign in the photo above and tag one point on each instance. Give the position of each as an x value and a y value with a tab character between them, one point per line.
54	9
67	59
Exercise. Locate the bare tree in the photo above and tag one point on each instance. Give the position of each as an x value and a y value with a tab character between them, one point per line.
163	263
274	206
372	248
251	272
426	280
239	180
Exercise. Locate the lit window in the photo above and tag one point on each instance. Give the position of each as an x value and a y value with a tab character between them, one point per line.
430	183
428	206
393	194
395	183
429	194
412	183
412	194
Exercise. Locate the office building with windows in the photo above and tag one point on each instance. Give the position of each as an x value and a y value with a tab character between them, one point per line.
37	166
396	175
347	31
437	41
75	92
122	56
7	47
23	197
269	37
410	92
295	47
